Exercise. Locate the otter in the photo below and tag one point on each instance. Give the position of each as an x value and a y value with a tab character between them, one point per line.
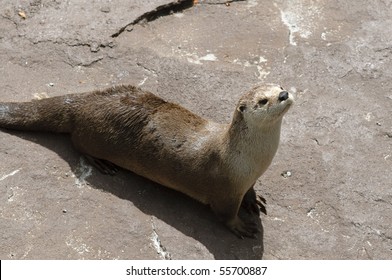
124	126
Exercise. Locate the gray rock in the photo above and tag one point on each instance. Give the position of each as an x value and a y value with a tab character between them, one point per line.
335	56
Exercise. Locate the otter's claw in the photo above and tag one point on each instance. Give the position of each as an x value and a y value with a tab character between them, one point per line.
241	229
102	165
253	203
260	201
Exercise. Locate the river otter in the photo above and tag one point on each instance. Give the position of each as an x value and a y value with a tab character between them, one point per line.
216	164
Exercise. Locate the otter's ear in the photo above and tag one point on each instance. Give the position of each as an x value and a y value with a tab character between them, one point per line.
241	108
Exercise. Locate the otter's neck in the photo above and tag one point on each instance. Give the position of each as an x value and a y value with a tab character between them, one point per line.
250	149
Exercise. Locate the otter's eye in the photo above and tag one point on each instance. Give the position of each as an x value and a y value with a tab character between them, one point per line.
242	108
263	101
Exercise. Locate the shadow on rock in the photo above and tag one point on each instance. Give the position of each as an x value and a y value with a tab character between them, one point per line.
188	216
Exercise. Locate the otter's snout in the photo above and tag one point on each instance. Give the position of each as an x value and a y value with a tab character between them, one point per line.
283	95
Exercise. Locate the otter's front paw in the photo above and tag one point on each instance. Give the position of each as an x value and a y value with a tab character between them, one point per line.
243	229
254	203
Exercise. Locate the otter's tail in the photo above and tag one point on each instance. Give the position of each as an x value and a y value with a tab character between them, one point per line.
51	114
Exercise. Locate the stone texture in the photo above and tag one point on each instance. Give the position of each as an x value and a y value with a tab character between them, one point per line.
336	141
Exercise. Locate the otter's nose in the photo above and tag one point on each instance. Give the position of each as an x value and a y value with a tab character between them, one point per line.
283	95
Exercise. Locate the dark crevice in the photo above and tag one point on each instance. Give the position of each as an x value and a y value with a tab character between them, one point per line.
317	141
160	11
10	20
227	2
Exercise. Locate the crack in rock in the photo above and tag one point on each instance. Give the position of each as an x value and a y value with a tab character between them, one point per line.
300	19
149	70
93	45
222	2
83	172
9	175
161	250
8	18
160	11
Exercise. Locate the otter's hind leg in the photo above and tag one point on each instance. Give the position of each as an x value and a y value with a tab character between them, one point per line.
79	140
104	166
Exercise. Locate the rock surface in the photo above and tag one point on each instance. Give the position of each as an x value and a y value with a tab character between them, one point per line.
329	189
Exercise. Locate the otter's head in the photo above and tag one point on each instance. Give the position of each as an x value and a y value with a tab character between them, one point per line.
264	105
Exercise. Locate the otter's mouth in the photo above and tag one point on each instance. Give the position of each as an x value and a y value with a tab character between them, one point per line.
287	104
